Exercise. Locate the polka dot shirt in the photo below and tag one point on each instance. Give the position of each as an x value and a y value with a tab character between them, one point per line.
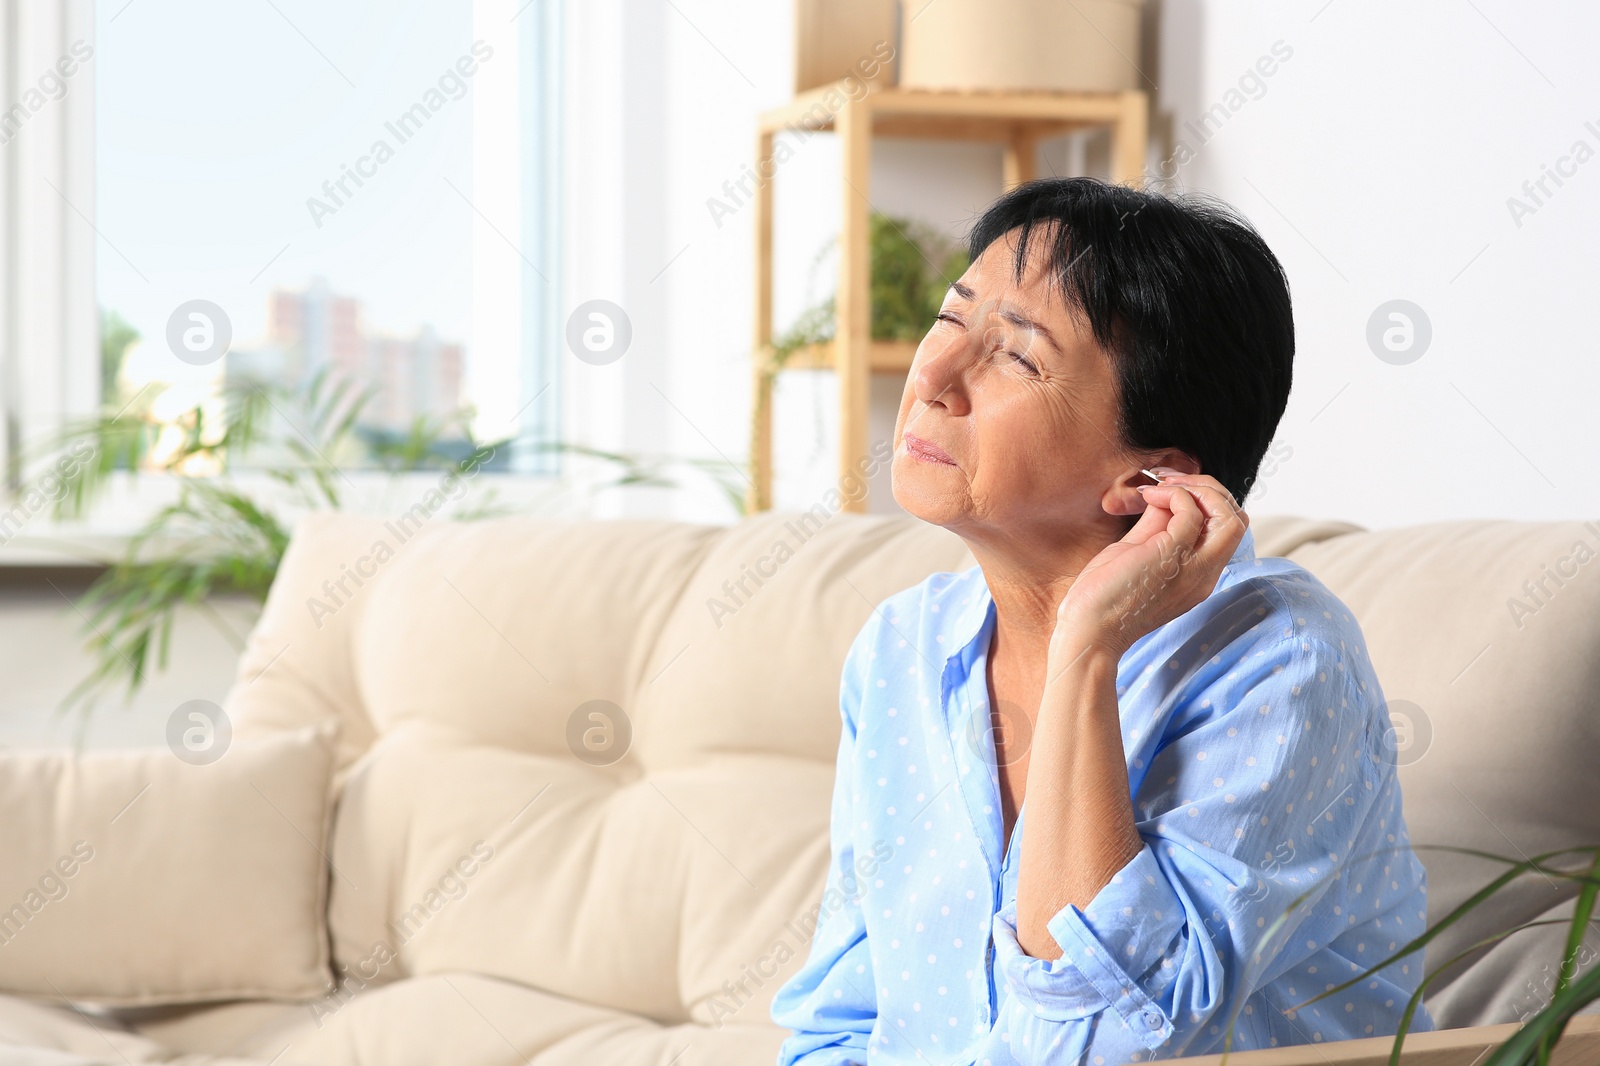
1276	863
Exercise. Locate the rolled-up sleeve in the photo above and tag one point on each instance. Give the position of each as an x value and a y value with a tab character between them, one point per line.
1246	821
1116	955
1107	952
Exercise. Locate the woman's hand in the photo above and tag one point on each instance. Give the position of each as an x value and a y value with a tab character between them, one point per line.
1165	565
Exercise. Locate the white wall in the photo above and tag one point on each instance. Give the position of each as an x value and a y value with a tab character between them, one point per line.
1378	165
1377	161
46	649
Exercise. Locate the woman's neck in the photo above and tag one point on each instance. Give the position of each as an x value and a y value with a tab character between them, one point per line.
1026	598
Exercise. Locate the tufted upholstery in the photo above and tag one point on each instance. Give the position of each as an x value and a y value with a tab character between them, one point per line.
649	907
666	884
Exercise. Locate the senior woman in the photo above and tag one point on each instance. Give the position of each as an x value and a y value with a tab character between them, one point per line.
1122	784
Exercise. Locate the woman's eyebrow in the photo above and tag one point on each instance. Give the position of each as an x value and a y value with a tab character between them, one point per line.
1016	318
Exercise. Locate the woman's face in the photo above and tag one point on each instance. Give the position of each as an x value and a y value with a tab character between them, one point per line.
1012	387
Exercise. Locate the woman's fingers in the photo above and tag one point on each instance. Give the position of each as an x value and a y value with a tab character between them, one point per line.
1184	521
1204	514
1207	491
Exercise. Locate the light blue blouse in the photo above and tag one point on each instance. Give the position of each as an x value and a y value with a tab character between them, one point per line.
1260	766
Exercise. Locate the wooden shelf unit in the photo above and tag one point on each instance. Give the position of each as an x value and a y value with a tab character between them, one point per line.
1017	120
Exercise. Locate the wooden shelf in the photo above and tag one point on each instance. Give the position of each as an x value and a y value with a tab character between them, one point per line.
952	113
1017	120
883	357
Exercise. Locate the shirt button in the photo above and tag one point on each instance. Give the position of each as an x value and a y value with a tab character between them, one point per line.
1152	1019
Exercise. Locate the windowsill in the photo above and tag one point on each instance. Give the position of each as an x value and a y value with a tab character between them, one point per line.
130	502
86	551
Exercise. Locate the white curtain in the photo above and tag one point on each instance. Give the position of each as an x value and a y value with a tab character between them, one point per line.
49	332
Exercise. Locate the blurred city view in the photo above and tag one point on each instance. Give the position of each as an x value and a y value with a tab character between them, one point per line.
402	391
416	376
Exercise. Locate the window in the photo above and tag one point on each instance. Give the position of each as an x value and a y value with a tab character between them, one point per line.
290	192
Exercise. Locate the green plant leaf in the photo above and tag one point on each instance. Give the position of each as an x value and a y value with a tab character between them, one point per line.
1546	1026
911	266
1422	986
1518	867
1582	909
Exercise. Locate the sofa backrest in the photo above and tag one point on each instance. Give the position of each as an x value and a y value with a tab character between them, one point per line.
596	757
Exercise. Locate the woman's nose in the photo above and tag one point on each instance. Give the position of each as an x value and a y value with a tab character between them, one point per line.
940	374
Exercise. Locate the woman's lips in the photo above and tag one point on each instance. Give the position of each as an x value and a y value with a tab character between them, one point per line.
918	448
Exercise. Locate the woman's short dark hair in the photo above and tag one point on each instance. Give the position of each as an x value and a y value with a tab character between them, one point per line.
1186	297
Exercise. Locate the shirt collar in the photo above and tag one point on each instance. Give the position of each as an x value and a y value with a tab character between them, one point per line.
971	616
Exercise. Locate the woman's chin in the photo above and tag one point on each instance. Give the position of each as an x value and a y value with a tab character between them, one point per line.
919	496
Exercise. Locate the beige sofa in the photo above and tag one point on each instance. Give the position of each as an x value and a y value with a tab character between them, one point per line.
626	731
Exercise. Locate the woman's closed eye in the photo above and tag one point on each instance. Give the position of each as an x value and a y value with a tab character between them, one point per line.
1017	357
1023	362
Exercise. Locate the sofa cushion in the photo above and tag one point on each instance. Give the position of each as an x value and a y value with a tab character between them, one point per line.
462	1019
135	877
646	895
39	1034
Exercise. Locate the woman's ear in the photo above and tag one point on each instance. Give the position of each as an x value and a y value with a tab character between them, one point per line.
1173	459
1123	497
